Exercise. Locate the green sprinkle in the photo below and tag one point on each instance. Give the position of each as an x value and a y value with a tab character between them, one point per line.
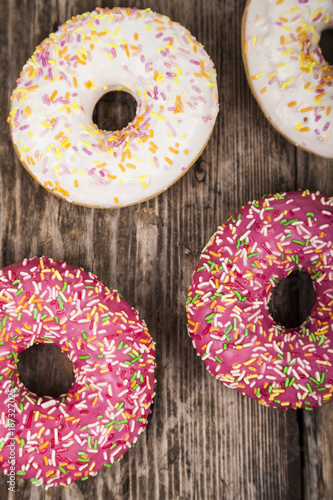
225	346
258	392
34	480
35	312
99	416
21	473
277	401
22	443
18	293
292	381
246	332
293	361
86	356
64	287
137	358
4	321
285	369
2	445
89	286
85	460
219	360
43	317
64	471
141	419
61	304
209	317
95	444
134	376
314	380
56	319
120	345
279	355
228	330
309	388
120	405
270	389
252	255
100	356
299	242
312	335
238	295
309	214
322	378
84	335
321	340
19	316
107	465
89	441
286	382
122	422
15	282
202	268
106	318
110	423
321	388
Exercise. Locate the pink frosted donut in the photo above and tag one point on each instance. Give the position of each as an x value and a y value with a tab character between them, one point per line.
228	317
61	440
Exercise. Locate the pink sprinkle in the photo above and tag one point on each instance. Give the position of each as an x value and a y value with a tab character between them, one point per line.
326	126
87	152
171	129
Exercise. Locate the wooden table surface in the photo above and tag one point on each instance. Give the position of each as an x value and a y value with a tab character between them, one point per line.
203	441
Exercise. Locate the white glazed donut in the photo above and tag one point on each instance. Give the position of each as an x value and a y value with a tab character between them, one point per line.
159	62
286	69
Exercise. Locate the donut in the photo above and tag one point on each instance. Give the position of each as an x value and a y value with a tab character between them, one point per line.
140	52
228	317
74	436
286	70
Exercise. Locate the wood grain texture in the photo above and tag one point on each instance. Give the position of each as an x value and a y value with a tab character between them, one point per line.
204	441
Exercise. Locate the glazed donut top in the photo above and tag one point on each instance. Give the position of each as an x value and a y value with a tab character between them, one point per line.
159	62
286	69
62	439
228	315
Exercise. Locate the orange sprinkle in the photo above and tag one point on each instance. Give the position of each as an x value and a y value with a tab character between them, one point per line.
136	36
328	110
263	90
116	199
168	160
291	104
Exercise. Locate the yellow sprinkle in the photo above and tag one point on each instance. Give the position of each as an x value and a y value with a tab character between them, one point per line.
157	115
288	82
46	125
299	126
255	77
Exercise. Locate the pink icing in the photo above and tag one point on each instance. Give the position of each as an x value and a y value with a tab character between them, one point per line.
101	416
228	317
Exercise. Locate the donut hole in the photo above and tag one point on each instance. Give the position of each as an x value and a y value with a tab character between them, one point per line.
45	370
326	45
114	110
292	299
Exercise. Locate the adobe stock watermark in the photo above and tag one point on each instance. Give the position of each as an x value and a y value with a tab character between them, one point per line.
11	442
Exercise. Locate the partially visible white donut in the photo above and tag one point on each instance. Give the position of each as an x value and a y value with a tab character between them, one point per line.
156	60
286	70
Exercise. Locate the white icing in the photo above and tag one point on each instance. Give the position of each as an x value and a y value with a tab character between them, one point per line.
283	72
159	62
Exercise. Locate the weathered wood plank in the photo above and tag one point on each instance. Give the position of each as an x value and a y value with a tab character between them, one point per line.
203	441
